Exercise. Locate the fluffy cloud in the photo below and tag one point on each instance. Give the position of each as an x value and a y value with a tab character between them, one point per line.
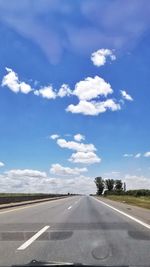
88	92
126	96
2	164
66	171
79	137
94	108
147	154
64	91
29	181
99	57
54	136
91	88
11	80
46	92
84	157
75	146
138	155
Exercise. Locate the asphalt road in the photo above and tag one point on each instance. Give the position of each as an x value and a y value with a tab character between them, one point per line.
76	229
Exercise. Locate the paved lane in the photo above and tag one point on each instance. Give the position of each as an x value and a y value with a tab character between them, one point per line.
76	229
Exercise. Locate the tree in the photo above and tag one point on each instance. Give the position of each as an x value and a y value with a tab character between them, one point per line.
118	185
99	184
109	184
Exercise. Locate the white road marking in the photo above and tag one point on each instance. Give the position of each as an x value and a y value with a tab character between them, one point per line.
69	207
125	214
33	238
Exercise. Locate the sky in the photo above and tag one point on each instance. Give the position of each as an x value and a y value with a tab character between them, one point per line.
74	94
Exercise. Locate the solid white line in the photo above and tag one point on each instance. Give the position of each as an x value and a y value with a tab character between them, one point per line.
33	238
125	214
69	207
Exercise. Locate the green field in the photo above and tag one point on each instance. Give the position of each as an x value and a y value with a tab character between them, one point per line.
143	202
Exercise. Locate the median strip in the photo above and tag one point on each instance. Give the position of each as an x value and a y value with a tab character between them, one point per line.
33	238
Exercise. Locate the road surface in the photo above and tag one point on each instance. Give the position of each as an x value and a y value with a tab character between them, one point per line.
75	229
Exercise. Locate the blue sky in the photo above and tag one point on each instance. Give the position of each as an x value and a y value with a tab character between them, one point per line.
99	51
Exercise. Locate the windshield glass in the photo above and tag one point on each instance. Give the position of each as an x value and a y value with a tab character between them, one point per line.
74	132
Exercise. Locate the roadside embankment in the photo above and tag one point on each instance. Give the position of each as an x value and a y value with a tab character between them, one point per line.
14	200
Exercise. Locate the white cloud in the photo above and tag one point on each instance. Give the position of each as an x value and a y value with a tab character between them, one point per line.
91	88
94	108
75	146
46	92
99	57
137	182
54	136
58	169
11	80
33	181
128	155
84	157
26	172
79	137
2	164
125	95
138	155
64	91
147	154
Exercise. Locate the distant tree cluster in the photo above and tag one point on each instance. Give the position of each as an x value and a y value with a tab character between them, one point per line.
110	185
117	187
139	193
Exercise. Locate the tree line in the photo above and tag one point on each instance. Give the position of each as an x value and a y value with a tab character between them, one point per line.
110	185
117	187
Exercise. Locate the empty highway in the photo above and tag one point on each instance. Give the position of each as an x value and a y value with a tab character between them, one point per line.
76	229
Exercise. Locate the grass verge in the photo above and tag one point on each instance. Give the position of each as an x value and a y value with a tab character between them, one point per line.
143	202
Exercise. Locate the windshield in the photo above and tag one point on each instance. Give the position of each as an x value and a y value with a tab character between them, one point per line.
74	132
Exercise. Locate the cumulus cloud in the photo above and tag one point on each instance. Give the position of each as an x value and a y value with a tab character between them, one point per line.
11	80
84	153
100	56
125	95
91	88
64	91
54	136
94	108
58	169
87	91
147	154
2	164
79	137
46	92
33	181
84	157
138	155
75	145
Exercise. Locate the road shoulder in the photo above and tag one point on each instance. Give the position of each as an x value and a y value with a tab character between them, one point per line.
137	212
